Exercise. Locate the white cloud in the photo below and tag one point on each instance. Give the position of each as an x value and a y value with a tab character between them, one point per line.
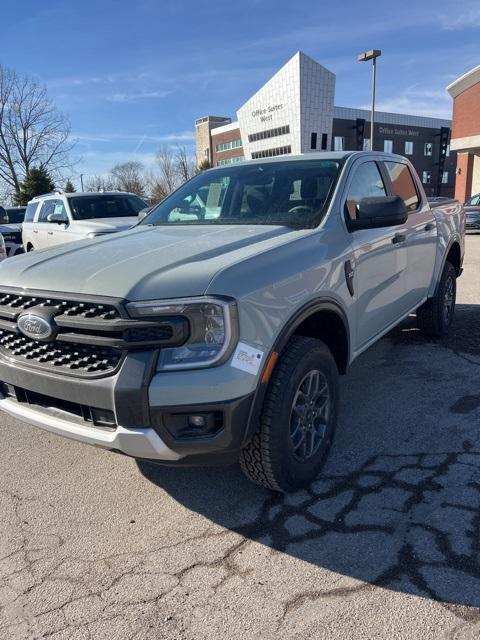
175	136
416	101
468	18
134	96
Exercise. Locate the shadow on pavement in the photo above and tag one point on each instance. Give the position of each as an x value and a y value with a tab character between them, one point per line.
398	504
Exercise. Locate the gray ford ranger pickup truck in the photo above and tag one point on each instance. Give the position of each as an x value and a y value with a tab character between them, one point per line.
216	329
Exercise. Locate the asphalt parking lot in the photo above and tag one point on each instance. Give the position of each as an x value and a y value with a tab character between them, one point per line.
386	544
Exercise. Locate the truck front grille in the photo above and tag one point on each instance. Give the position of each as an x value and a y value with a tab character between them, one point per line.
12	305
89	337
60	356
77	350
14	237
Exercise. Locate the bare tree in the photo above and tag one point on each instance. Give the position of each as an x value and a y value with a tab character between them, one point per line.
33	132
185	165
100	183
168	171
130	176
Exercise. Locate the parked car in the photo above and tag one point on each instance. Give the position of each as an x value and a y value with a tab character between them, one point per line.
472	213
11	233
60	217
200	338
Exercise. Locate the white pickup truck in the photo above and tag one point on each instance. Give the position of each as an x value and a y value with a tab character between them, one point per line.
217	331
56	218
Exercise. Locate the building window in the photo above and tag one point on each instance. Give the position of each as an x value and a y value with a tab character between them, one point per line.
324	141
366	144
270	153
426	177
388	146
447	152
226	146
339	143
408	147
269	133
313	141
445	177
427	149
220	163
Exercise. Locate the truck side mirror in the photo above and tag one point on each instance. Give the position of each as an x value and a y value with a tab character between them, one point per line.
3	216
57	218
378	212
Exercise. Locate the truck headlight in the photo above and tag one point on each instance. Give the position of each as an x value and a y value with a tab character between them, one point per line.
213	324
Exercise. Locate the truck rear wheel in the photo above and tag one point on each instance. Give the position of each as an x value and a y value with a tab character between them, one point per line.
298	418
435	316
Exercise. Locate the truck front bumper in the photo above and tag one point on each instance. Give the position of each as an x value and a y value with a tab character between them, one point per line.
138	412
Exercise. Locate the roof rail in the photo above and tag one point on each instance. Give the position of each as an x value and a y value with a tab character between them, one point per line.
57	192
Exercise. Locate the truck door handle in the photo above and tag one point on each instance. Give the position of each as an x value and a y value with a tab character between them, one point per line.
50	233
398	238
430	226
35	231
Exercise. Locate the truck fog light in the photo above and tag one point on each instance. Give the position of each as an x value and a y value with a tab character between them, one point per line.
196	421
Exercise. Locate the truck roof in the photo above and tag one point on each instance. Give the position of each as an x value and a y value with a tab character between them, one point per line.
80	194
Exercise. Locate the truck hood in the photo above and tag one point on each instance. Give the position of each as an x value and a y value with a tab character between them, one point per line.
144	263
105	225
10	227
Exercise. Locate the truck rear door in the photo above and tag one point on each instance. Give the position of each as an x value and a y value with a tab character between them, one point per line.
421	233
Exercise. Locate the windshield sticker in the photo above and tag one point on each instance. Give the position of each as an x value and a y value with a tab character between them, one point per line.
214	194
247	358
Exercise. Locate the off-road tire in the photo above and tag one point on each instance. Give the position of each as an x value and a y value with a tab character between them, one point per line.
269	459
431	316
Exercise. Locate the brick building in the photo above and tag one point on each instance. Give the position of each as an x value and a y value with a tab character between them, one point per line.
465	92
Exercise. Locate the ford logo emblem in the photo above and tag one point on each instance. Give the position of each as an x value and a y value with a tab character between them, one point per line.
35	327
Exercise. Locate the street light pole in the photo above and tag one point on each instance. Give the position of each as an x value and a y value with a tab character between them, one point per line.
372	55
81	180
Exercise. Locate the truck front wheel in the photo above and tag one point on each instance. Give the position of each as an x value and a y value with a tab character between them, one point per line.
435	316
298	419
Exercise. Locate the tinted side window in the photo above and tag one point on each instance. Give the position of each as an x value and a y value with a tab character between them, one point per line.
30	212
403	184
48	207
367	183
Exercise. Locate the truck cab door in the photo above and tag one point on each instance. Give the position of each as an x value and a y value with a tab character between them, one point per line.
379	260
41	228
58	228
421	233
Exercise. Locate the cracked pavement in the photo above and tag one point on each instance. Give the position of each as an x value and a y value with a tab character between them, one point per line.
385	544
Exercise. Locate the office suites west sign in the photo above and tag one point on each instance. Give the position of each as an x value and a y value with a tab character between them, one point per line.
266	114
387	131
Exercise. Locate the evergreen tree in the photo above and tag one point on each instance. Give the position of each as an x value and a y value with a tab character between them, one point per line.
69	188
204	165
36	183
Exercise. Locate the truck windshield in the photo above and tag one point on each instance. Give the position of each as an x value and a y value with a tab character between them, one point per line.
105	205
290	193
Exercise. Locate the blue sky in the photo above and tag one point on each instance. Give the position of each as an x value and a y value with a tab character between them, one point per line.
134	75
